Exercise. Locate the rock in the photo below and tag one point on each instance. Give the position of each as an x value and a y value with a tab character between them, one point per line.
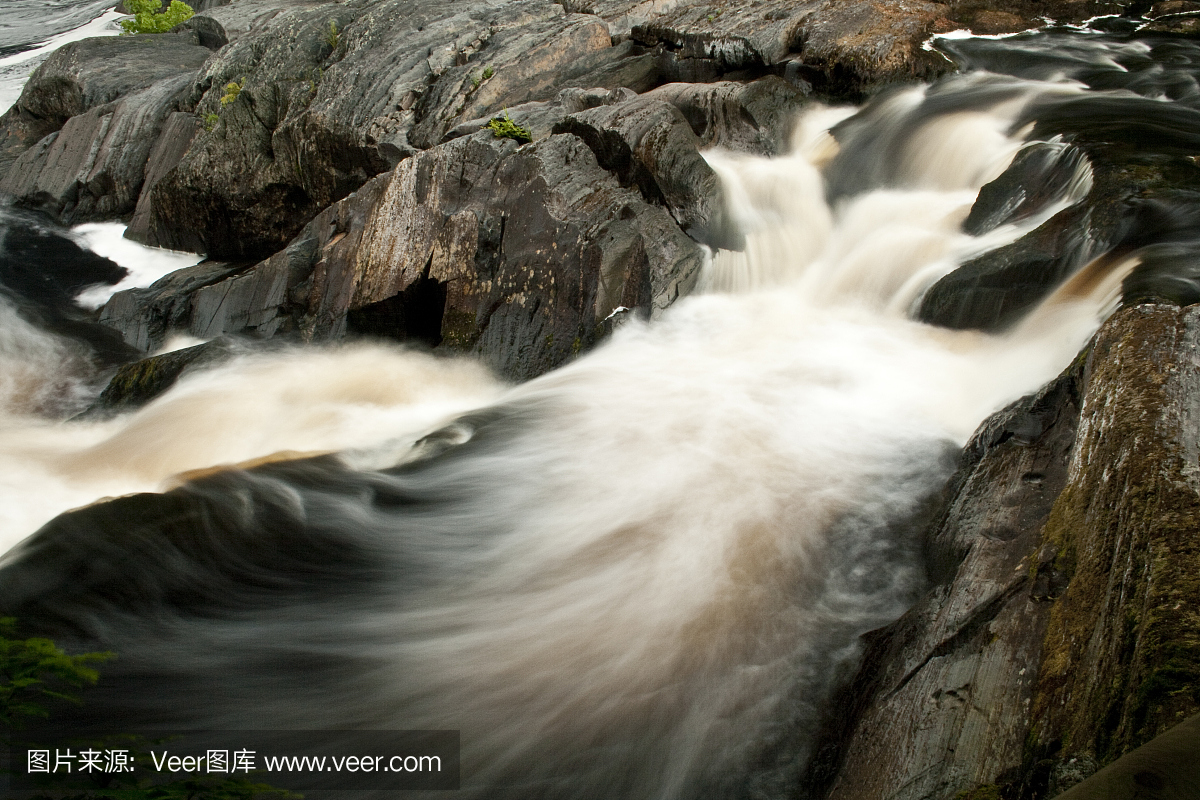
994	290
93	72
312	123
1040	174
518	254
1121	658
144	317
209	33
1167	7
94	167
1180	25
42	268
536	246
942	696
178	131
861	45
649	145
1061	630
138	383
754	117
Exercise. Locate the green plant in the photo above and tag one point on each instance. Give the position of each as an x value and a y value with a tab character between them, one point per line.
505	128
232	90
488	72
34	671
210	120
334	37
149	18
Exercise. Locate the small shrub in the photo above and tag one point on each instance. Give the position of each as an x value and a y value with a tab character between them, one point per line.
334	37
488	72
35	671
210	120
232	90
505	128
148	18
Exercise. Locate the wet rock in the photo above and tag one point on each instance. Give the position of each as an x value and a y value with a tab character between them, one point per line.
993	291
1061	630
89	73
518	254
138	383
1122	649
649	145
178	131
144	317
94	167
943	693
1040	174
535	245
753	117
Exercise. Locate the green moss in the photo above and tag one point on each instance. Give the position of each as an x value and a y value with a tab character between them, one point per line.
232	90
148	18
988	791
505	128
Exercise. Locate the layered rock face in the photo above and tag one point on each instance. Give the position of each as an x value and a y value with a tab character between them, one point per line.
234	133
1062	630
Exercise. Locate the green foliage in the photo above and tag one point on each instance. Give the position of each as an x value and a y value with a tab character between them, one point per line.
34	672
147	18
232	90
505	128
487	73
210	120
334	37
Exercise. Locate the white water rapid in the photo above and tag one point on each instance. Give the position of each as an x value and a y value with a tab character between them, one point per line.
655	561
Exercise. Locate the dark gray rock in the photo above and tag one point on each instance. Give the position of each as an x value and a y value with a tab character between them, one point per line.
1058	634
518	254
178	131
994	290
313	122
753	117
138	383
94	167
83	75
648	144
209	33
144	317
943	693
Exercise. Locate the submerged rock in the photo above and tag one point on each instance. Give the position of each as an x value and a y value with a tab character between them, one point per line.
138	383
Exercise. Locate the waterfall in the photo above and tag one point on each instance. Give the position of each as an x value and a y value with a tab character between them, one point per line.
637	576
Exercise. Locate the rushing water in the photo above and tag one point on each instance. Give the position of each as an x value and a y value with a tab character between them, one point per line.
637	576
